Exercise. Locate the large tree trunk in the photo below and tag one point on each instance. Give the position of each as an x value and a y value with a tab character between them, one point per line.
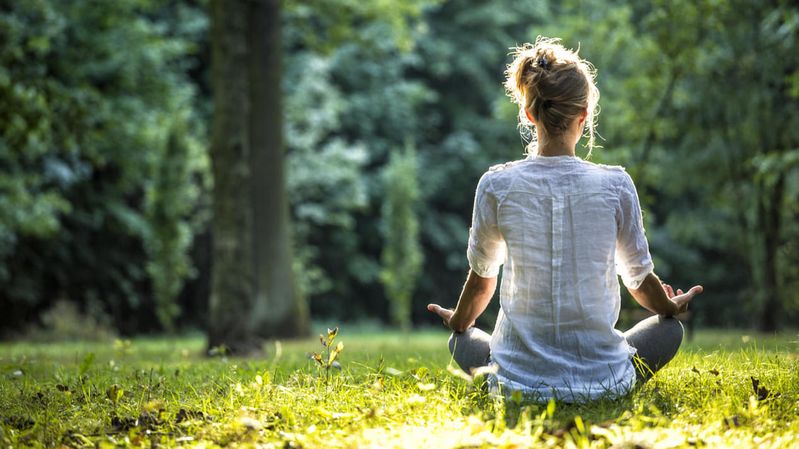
231	273
252	287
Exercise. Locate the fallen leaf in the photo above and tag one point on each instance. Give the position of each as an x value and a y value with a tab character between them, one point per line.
761	391
732	421
188	415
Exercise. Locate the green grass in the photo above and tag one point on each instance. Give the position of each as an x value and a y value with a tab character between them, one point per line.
393	390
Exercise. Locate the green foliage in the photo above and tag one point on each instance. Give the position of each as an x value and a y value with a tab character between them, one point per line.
393	390
171	211
345	109
325	180
746	70
89	93
325	24
402	253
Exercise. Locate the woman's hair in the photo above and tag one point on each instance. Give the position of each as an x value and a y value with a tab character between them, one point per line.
555	85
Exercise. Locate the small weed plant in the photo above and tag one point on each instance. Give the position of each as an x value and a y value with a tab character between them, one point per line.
327	358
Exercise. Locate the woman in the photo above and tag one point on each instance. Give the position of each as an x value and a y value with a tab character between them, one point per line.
563	228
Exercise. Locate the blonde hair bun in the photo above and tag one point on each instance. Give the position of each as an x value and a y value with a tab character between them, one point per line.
555	85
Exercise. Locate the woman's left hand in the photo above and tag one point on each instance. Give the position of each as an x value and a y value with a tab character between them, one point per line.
681	299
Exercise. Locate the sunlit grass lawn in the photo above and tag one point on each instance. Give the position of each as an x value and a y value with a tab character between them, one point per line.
394	390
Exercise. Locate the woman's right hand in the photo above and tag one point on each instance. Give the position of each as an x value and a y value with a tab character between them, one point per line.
444	314
681	299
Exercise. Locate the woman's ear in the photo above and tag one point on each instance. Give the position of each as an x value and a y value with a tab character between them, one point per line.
529	116
583	115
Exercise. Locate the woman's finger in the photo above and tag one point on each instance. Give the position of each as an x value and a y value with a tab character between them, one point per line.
445	314
683	299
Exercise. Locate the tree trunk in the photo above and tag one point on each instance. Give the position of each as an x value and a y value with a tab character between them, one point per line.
770	211
231	272
252	287
278	311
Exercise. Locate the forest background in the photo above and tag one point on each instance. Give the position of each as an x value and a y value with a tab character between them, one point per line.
389	107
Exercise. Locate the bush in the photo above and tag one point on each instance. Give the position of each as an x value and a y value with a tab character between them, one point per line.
64	321
402	253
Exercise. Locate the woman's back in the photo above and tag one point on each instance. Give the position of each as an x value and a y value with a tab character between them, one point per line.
559	218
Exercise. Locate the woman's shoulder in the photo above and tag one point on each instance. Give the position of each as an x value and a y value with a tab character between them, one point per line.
505	166
502	175
615	172
498	171
604	167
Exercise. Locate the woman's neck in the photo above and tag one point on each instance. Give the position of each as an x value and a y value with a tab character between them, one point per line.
562	145
555	148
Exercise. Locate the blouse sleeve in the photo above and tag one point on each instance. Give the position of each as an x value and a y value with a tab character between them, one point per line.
633	261
486	251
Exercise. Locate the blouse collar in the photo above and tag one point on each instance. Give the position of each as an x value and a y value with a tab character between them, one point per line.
553	159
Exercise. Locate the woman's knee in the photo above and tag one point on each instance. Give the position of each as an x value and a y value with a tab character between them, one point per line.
669	327
657	335
673	328
459	339
658	345
470	349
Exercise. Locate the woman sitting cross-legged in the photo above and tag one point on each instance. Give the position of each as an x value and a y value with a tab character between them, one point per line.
563	228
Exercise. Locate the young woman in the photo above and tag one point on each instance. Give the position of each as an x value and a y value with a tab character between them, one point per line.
563	228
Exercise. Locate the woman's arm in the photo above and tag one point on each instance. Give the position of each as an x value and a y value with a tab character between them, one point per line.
476	295
659	297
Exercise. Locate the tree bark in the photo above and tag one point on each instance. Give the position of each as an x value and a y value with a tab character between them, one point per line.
231	273
771	215
278	311
252	286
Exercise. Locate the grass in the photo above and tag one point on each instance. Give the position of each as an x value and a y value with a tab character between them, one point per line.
394	390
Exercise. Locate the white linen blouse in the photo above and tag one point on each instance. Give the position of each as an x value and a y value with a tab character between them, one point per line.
564	228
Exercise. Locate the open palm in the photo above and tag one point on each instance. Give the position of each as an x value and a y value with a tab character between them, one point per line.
680	298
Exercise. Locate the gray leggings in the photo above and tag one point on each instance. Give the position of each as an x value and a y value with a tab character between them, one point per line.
656	340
